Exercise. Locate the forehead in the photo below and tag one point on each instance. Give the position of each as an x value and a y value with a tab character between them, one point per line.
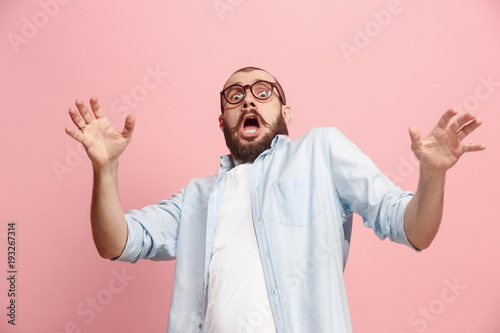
248	78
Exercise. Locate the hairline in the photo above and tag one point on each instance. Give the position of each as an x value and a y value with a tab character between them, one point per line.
248	70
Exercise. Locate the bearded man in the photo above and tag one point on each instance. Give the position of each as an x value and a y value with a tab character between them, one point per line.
261	247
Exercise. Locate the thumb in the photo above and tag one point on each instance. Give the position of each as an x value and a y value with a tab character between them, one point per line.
414	135
128	128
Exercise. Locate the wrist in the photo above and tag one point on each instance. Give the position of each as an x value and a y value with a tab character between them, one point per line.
431	174
106	169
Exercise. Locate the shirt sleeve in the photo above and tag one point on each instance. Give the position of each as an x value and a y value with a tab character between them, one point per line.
363	189
153	231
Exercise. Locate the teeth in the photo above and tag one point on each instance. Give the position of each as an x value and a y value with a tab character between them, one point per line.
250	131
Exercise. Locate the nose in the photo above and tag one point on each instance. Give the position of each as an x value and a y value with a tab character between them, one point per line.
249	100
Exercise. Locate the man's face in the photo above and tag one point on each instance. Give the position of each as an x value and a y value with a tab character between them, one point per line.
250	126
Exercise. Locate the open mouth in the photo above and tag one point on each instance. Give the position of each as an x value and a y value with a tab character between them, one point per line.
250	127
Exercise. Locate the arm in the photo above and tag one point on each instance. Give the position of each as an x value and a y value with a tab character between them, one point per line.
109	227
363	189
103	145
438	152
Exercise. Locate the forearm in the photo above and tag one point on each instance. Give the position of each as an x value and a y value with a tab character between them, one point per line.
424	211
109	227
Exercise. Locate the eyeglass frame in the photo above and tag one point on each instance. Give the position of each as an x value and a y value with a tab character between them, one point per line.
245	87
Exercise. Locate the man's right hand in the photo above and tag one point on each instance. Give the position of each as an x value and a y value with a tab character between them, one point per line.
102	142
104	145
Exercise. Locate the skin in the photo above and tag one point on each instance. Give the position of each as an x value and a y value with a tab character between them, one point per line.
104	145
269	109
437	153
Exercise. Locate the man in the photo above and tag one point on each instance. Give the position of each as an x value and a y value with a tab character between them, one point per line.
261	247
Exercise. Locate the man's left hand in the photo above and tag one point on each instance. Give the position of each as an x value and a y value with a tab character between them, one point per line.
442	148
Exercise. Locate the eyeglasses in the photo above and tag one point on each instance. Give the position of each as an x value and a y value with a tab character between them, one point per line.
261	90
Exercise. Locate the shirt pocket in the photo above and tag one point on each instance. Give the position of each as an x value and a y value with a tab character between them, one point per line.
297	200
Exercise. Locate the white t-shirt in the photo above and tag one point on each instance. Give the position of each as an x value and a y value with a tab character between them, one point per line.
237	294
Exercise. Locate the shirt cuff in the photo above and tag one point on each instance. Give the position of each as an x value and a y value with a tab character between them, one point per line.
402	236
128	252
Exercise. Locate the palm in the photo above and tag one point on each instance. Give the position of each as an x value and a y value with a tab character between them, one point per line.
102	142
442	148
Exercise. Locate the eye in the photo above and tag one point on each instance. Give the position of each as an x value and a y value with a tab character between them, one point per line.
263	94
236	97
262	90
235	94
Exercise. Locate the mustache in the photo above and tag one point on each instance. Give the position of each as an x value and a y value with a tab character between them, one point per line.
247	112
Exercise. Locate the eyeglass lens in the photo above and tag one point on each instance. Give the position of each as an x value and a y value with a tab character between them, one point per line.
260	89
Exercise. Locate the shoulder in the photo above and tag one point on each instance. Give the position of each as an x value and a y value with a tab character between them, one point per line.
202	183
323	135
315	142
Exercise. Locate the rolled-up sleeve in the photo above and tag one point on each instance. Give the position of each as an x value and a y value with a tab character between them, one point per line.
363	189
153	231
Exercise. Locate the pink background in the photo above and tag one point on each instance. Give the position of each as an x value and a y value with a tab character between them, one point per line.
427	57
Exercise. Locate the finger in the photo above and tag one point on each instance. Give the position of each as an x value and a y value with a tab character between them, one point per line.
96	107
462	120
77	135
84	112
469	128
471	147
77	120
446	117
414	135
129	126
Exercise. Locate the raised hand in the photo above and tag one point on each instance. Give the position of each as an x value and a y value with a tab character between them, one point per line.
102	142
442	148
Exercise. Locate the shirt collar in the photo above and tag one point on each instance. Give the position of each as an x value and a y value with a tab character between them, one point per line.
281	140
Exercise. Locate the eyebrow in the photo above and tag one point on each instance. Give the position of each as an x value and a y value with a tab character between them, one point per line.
242	83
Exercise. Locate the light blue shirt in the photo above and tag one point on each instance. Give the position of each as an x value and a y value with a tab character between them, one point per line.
303	194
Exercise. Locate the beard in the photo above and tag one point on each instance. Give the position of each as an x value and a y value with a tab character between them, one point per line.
248	152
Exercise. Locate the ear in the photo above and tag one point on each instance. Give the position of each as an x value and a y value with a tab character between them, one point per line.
221	123
287	113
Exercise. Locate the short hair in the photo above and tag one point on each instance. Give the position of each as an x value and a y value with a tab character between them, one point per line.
251	69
